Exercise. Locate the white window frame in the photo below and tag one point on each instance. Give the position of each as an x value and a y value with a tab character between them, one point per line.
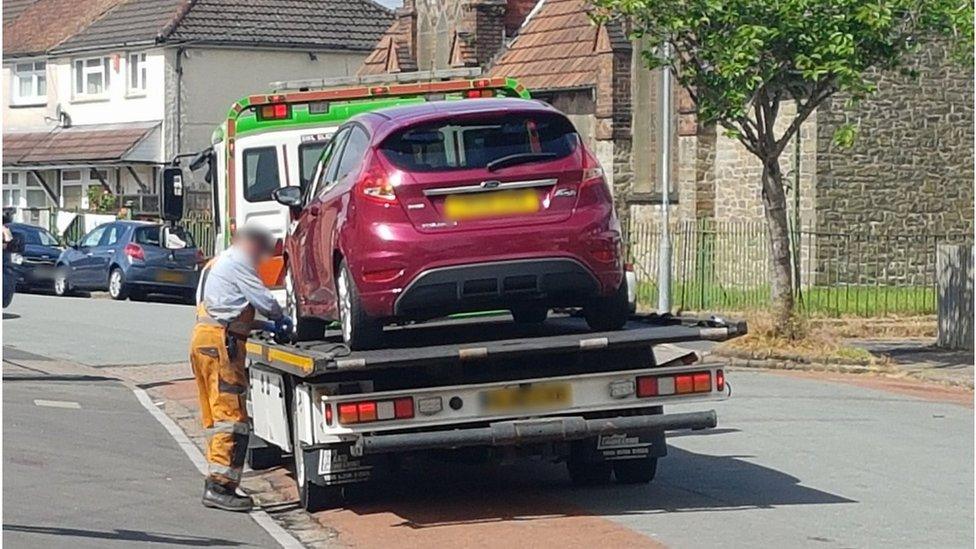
137	83
37	76
86	180
80	69
12	184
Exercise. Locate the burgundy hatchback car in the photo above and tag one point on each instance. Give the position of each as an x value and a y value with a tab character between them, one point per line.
445	207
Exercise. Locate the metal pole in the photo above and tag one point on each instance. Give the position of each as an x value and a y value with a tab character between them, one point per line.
664	256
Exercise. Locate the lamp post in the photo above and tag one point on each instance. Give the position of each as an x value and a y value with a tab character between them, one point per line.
664	246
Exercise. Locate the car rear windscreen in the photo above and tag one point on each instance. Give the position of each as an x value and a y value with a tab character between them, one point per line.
476	142
150	235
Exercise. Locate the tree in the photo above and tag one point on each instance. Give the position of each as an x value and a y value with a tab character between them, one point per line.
741	60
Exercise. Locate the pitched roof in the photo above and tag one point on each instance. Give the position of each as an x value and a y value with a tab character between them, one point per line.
390	54
319	24
556	48
62	26
44	24
93	143
130	22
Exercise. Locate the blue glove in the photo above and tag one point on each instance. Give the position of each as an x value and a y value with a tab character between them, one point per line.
283	328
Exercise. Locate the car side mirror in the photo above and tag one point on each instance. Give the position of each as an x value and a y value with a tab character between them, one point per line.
290	196
173	238
171	195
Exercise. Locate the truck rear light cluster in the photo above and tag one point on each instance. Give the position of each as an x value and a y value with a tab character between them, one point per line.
372	410
679	384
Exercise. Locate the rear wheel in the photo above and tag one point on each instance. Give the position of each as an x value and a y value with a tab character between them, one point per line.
306	328
530	314
117	288
608	313
359	331
311	496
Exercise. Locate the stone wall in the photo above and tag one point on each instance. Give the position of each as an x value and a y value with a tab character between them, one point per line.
911	166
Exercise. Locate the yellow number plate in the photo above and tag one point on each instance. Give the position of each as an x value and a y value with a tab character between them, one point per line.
491	204
171	276
526	397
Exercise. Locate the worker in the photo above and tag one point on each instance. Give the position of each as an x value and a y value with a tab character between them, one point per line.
228	296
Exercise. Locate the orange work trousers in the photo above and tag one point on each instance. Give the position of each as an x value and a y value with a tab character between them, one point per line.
222	388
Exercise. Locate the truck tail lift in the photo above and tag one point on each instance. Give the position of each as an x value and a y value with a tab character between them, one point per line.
593	400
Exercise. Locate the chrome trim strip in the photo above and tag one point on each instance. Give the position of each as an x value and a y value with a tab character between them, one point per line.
483	188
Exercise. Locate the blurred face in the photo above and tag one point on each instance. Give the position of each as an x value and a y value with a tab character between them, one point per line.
252	248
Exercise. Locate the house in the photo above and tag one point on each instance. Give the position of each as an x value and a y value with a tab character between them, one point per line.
101	93
911	168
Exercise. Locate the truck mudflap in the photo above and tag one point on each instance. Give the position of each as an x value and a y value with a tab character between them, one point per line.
533	431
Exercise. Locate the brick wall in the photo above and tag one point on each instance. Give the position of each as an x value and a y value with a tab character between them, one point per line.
911	167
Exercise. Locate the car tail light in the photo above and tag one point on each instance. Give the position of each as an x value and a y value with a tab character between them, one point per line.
593	188
134	251
200	257
328	414
720	380
367	411
678	384
479	93
378	186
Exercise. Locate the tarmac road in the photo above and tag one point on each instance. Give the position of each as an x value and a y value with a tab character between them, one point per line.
86	466
797	461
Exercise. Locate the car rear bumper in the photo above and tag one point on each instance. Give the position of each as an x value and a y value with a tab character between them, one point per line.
162	278
441	273
554	281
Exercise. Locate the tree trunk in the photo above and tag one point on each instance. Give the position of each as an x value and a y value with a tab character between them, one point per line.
777	229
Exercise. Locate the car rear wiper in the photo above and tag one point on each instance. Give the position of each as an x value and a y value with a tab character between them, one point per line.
520	158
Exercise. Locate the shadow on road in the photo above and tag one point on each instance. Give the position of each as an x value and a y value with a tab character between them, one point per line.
124	535
440	494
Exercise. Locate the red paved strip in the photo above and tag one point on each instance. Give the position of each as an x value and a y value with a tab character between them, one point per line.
933	392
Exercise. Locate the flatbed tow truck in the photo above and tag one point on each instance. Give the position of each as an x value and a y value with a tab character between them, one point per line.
483	387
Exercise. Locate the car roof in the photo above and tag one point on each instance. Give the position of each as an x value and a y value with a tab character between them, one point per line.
382	122
25	226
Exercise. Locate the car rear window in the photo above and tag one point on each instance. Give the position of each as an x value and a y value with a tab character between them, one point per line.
476	142
149	236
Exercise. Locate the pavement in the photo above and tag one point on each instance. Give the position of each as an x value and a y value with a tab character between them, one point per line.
798	460
922	358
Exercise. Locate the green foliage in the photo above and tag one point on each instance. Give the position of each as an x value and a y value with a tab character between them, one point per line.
845	135
741	58
101	200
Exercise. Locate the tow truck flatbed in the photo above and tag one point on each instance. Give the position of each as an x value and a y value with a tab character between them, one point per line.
474	339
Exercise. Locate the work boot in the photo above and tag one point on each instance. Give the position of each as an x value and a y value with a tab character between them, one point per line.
222	497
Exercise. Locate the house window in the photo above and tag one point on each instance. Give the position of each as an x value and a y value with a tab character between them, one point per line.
138	73
34	192
75	185
29	83
11	190
92	76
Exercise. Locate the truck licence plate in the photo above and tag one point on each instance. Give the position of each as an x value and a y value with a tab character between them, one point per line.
491	204
528	397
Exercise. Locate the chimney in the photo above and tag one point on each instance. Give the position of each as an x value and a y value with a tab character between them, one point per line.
482	27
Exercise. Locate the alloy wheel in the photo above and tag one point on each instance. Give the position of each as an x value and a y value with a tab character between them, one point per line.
345	307
291	302
115	283
60	283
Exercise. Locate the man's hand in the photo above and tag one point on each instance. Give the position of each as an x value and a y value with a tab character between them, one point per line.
283	328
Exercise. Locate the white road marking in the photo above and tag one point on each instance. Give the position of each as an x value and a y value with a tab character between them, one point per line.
57	404
286	540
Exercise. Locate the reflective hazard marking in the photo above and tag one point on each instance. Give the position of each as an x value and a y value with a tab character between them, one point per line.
58	404
303	362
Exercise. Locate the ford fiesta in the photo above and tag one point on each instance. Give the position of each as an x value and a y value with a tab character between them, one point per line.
445	207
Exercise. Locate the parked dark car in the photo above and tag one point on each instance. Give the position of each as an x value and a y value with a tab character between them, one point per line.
40	251
127	259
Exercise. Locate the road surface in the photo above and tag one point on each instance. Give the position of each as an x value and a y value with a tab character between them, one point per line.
795	462
86	466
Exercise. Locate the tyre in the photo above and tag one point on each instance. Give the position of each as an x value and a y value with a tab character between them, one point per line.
359	331
530	314
62	284
311	496
117	288
608	313
306	328
635	471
